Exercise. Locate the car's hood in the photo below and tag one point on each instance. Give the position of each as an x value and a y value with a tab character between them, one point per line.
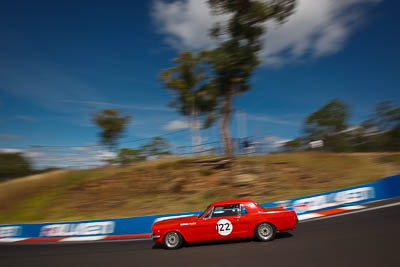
175	219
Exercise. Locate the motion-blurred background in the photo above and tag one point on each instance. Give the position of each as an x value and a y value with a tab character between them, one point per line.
114	109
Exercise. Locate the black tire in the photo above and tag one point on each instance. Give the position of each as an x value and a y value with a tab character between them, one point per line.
265	232
172	240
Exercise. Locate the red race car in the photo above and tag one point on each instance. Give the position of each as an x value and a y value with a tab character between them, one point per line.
230	219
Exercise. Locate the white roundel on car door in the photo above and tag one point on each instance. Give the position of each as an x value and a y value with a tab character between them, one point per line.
224	227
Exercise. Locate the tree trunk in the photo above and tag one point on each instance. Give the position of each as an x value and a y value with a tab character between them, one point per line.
224	125
195	133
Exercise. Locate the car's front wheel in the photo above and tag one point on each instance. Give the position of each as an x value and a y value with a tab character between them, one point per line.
172	240
265	232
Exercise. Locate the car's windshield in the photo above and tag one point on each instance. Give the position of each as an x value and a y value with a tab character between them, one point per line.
201	214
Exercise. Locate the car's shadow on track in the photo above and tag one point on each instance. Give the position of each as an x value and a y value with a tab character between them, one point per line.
226	242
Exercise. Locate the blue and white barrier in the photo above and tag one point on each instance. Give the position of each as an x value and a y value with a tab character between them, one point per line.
385	188
139	227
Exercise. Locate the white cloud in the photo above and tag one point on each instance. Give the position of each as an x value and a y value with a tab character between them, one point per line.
75	157
176	125
105	155
184	22
79	148
10	150
317	28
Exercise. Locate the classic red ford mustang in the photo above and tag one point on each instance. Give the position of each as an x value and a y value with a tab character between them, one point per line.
237	218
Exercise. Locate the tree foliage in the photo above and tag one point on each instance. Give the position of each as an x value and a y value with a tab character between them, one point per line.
294	145
385	121
328	124
234	60
386	116
112	124
230	64
381	132
14	165
188	83
328	120
129	155
157	146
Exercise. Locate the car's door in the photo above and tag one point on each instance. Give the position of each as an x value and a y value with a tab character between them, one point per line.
198	232
221	222
243	223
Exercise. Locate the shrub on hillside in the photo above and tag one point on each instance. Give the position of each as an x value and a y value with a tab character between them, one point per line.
13	165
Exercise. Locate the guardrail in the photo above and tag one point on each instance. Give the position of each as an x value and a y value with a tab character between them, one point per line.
140	227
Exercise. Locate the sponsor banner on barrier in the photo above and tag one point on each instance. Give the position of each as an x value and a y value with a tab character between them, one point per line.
10	231
78	229
134	226
111	227
329	200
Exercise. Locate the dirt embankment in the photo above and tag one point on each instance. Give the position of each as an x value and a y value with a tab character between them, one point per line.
184	184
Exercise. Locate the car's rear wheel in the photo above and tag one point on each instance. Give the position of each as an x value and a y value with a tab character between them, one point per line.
265	232
172	240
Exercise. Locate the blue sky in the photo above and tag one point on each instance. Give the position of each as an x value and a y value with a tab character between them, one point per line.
62	60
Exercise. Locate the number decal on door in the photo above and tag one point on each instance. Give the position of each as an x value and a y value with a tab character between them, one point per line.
224	227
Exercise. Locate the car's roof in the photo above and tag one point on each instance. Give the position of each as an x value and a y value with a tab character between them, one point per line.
231	201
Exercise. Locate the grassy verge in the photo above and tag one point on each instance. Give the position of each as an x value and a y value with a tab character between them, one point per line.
178	185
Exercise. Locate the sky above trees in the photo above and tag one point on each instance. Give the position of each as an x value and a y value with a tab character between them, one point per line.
62	60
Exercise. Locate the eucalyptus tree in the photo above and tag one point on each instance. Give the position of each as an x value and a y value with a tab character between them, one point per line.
112	124
190	87
386	122
329	123
237	53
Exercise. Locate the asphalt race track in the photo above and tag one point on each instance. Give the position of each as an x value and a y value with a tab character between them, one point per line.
370	238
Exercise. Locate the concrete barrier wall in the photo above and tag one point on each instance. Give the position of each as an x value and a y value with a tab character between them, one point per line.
388	187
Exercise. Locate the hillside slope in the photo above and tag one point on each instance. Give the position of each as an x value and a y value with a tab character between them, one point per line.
179	184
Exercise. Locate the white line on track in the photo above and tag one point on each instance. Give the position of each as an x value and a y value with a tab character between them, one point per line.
117	240
308	216
99	241
352	212
355	207
83	238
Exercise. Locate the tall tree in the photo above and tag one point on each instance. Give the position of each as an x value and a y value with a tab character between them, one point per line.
386	121
235	58
188	83
386	116
112	124
328	123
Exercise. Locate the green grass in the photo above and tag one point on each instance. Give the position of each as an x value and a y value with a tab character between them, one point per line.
392	158
35	208
178	185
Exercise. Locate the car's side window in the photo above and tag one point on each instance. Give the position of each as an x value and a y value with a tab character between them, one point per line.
226	210
243	210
